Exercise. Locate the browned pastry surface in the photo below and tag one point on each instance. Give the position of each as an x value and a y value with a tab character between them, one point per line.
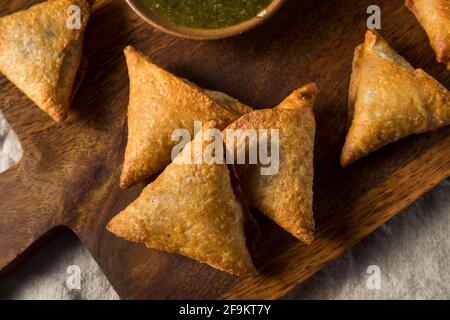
190	209
41	55
287	196
434	16
389	100
160	103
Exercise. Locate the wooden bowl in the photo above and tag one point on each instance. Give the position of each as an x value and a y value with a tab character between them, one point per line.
200	34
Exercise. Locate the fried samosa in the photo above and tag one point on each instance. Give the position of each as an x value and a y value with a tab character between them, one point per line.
389	100
286	196
41	52
434	16
191	209
160	103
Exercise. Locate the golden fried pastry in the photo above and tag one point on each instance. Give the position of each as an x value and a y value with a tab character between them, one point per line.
160	103
434	16
389	100
41	53
228	102
190	209
286	197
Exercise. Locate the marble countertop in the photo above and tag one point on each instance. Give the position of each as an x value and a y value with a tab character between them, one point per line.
407	258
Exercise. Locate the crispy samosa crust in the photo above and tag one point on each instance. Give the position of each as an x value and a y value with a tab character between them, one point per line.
160	103
434	16
41	55
229	103
389	100
287	196
190	209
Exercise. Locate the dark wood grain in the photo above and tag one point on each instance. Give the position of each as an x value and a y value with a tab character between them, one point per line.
69	174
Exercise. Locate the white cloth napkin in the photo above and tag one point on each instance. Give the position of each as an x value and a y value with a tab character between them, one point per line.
10	149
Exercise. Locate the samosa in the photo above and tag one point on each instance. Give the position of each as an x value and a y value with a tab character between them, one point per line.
434	16
41	52
389	100
285	196
160	103
193	210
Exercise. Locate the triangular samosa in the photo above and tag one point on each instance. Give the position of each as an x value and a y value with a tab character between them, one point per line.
41	51
286	195
191	209
434	16
159	104
389	100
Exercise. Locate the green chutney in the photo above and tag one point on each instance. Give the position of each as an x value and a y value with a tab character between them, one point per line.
207	14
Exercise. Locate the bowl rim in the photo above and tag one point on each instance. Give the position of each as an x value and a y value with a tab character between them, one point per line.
183	32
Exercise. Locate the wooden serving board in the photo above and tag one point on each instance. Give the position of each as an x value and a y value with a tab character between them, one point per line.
69	174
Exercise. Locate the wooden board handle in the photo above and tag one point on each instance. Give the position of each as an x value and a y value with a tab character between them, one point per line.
21	224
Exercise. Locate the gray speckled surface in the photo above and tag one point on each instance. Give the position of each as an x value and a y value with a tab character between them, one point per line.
411	251
10	149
